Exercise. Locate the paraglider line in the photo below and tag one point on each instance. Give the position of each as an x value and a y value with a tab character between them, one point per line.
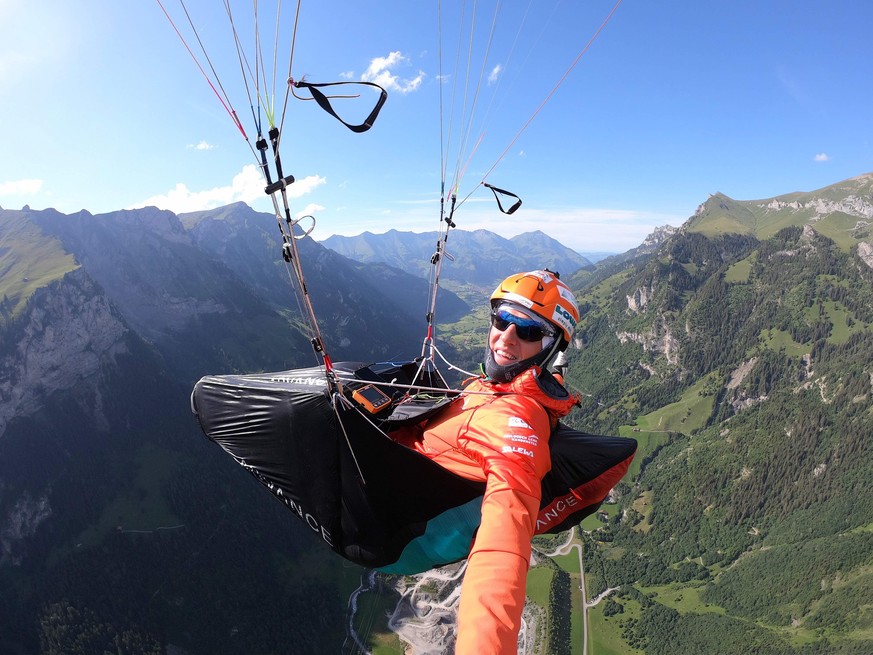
290	63
552	92
227	108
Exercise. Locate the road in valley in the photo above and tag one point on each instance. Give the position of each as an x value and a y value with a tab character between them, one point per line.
564	549
424	616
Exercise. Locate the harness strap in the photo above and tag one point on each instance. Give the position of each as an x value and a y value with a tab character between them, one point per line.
324	102
495	190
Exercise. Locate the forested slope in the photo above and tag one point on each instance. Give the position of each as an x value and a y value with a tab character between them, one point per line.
745	369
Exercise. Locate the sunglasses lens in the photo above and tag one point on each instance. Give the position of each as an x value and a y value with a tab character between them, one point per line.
526	329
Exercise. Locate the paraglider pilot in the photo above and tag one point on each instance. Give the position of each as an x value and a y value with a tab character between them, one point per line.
499	434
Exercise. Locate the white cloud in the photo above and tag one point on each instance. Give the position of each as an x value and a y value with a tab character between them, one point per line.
380	72
301	187
822	156
495	74
20	187
203	145
307	218
382	63
310	210
347	75
181	199
247	186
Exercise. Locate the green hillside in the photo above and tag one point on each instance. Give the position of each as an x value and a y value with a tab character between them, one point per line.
29	260
744	368
841	212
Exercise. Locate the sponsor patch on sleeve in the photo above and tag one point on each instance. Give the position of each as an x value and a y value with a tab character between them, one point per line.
518	422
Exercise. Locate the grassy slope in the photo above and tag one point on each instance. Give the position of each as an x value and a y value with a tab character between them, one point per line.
723	215
29	259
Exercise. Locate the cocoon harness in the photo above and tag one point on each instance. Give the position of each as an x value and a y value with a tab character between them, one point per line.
373	501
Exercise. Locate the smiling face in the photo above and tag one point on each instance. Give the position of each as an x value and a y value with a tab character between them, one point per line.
507	348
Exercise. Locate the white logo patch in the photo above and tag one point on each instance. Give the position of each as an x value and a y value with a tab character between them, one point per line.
567	295
543	275
529	439
518	450
563	318
518	422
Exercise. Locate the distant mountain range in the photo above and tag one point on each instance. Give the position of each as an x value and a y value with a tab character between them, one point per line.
476	258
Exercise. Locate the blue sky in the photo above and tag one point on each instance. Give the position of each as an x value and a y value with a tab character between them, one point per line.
103	109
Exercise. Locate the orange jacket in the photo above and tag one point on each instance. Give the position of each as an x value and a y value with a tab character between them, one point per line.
498	434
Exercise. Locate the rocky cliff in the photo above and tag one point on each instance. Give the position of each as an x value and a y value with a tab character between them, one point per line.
68	331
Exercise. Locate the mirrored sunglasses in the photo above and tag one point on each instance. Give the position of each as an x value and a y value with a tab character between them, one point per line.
526	329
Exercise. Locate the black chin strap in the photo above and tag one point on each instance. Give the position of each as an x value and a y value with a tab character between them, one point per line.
508	372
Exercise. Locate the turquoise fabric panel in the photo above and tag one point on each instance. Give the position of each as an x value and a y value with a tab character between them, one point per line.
447	538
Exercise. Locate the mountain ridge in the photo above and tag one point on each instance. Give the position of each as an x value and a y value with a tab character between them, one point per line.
478	258
740	361
842	211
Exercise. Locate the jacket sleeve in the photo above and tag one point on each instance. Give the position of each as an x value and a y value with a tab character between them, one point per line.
509	439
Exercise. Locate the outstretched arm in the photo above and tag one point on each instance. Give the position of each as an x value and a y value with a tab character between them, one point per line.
510	441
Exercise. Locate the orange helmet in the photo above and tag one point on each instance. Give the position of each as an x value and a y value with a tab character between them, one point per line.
545	295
